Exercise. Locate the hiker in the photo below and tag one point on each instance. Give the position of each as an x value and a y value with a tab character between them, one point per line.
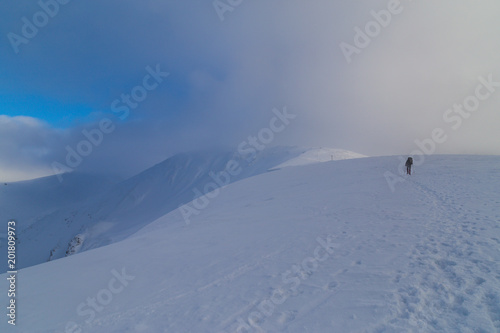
409	163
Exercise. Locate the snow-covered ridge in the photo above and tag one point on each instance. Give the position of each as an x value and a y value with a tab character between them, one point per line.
28	201
50	215
319	155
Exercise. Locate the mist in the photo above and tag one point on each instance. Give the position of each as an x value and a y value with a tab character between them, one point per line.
229	67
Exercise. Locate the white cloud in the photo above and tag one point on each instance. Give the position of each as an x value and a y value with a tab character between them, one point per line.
26	146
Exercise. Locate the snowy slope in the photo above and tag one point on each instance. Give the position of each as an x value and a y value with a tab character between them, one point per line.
29	200
320	248
53	225
318	155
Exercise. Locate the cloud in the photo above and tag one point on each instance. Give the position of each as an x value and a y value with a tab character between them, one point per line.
225	77
26	146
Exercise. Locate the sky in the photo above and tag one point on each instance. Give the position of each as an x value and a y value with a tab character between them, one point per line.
223	66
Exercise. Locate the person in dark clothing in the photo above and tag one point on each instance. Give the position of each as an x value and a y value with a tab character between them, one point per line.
409	163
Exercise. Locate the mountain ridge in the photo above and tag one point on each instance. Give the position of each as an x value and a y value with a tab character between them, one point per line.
107	212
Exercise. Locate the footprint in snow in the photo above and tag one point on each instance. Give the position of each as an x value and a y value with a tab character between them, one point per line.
444	264
496	240
479	281
492	301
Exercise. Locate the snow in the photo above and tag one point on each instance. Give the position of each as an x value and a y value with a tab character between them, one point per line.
324	247
103	211
318	155
46	195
